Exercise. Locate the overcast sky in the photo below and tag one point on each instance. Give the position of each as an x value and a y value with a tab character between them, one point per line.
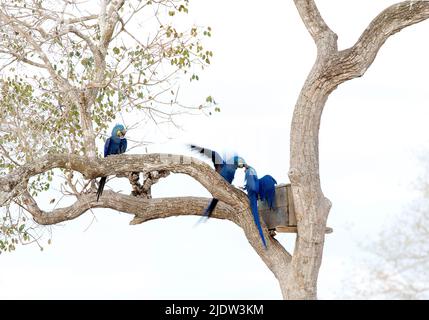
373	130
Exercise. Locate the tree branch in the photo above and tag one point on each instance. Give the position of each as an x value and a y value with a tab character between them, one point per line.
121	164
78	20
315	24
67	29
143	209
151	209
22	58
234	203
354	62
15	25
109	24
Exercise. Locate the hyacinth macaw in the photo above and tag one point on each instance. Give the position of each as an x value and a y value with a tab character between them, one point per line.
252	188
226	169
116	144
267	190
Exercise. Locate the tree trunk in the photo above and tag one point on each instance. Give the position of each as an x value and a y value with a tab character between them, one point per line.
311	206
332	67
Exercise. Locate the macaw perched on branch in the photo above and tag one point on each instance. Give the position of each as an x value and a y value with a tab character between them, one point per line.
252	187
267	190
116	144
226	169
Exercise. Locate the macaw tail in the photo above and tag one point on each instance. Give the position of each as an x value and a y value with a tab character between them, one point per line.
101	187
207	213
210	208
253	199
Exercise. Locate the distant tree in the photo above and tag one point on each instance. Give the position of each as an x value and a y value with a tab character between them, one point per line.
398	260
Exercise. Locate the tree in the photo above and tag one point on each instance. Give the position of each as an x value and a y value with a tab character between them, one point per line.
297	273
67	74
398	257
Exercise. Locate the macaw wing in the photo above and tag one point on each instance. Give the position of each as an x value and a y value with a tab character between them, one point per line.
267	190
211	154
123	145
252	182
107	150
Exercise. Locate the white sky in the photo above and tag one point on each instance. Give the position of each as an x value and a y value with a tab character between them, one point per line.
373	129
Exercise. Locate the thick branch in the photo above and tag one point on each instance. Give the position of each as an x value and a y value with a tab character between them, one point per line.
109	20
143	209
234	204
121	164
356	60
314	23
150	209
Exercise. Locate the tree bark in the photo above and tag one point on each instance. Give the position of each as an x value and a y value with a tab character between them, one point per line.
332	67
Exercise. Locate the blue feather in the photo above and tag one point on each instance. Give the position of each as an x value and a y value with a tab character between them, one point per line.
123	145
252	182
267	190
252	187
226	169
107	147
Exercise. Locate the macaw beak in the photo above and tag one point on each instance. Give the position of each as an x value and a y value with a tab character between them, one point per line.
121	134
241	165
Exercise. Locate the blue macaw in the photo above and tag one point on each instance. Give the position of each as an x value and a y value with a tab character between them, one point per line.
116	144
267	190
252	187
226	169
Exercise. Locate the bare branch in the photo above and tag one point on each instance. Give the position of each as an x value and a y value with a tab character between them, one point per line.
143	209
15	25
109	24
81	35
7	155
356	60
314	23
79	20
22	58
150	209
120	164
